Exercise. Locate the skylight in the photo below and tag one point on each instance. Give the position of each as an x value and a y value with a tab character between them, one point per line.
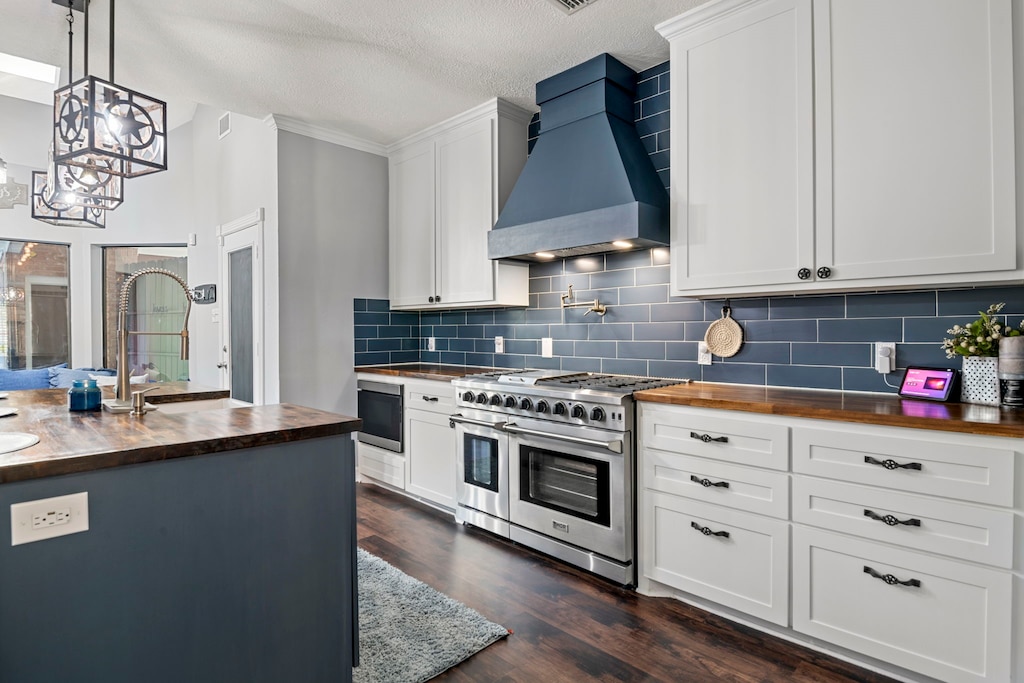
27	79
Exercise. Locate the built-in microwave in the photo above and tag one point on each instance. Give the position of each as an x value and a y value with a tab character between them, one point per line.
381	408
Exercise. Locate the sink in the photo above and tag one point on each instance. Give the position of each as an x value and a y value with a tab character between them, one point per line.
15	441
194	406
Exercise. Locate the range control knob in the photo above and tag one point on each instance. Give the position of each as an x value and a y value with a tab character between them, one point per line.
481	397
597	415
542	406
510	401
468	396
579	412
496	400
526	404
559	408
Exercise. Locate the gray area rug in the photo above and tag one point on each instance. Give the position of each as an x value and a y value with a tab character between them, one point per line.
409	632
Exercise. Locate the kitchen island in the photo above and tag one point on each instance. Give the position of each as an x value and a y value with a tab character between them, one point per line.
220	545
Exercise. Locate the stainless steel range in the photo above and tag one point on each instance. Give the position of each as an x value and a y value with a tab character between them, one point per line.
546	458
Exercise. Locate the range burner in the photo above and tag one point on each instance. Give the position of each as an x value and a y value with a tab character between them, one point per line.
588	381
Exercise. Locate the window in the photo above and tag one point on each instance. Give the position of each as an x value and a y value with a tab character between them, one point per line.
156	304
35	318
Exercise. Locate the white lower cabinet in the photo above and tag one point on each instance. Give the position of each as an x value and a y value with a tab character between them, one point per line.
381	465
732	558
431	469
946	619
899	548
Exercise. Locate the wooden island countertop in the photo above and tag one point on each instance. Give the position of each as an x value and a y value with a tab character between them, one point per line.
72	442
864	408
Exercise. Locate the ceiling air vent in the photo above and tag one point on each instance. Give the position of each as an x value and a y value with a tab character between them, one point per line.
224	125
572	6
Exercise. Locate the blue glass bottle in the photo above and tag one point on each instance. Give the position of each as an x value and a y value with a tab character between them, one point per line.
84	394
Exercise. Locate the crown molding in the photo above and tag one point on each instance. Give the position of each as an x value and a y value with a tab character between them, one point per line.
488	108
331	135
700	16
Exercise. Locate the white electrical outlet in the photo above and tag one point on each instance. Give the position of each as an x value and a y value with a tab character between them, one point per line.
546	348
37	520
431	344
499	345
885	357
703	354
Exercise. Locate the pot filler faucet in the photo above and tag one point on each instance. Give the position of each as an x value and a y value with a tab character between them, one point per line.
123	393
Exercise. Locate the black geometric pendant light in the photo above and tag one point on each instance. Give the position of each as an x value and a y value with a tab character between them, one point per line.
99	124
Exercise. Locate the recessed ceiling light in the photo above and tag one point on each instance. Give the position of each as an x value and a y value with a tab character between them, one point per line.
622	245
27	68
544	254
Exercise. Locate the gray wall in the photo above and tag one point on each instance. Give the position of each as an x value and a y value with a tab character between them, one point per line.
204	569
333	204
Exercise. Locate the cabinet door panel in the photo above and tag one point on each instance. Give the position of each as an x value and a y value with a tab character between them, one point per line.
430	469
411	239
915	140
742	180
466	212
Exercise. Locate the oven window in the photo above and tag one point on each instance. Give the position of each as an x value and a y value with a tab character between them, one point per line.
381	414
567	483
481	461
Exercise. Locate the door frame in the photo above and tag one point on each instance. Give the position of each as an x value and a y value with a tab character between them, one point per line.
254	222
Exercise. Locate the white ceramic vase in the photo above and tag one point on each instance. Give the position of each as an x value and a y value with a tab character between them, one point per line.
978	382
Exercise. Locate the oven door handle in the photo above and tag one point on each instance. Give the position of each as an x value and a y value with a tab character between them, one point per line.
613	446
459	419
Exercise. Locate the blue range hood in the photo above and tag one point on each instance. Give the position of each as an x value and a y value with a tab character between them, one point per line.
589	181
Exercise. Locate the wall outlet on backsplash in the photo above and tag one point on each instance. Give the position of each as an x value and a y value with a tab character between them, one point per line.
431	344
546	347
499	345
703	354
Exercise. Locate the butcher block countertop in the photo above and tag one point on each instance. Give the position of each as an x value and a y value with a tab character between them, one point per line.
876	409
72	442
437	371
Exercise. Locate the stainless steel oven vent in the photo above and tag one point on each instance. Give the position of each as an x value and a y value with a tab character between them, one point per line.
568	6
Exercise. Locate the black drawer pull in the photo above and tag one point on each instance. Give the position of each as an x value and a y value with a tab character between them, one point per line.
708	532
707	482
707	438
430	399
891	464
892	580
890	520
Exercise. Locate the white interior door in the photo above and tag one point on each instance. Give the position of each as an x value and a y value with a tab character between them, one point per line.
241	302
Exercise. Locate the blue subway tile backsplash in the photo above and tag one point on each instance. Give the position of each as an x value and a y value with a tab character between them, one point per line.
814	341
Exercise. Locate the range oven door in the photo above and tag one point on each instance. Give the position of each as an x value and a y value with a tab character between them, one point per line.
482	464
574	485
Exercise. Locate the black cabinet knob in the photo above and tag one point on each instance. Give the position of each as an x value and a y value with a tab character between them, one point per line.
437	298
430	300
824	272
804	273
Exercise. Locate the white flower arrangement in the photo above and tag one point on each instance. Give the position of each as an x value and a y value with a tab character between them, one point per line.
980	337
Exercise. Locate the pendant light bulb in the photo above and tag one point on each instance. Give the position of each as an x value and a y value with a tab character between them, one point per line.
3	172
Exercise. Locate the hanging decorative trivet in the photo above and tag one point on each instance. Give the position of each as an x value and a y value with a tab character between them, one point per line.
724	336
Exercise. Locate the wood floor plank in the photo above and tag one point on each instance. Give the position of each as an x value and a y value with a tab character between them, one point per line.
570	625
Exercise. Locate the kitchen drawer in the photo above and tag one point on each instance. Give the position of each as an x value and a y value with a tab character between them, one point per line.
381	465
436	397
947	465
706	433
711	481
747	570
954	626
942	526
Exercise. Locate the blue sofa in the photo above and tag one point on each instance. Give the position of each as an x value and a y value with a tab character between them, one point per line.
58	376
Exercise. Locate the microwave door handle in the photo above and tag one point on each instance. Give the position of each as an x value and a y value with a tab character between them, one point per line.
613	446
453	419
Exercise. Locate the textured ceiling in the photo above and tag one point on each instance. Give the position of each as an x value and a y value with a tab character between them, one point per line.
376	70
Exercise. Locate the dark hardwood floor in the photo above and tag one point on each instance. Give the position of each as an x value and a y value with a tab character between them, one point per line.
568	625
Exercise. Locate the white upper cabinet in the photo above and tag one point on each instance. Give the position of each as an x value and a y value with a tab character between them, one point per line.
823	145
447	185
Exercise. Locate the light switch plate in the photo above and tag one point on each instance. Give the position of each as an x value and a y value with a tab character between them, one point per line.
38	520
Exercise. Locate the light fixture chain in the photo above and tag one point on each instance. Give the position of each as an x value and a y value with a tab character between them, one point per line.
71	42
